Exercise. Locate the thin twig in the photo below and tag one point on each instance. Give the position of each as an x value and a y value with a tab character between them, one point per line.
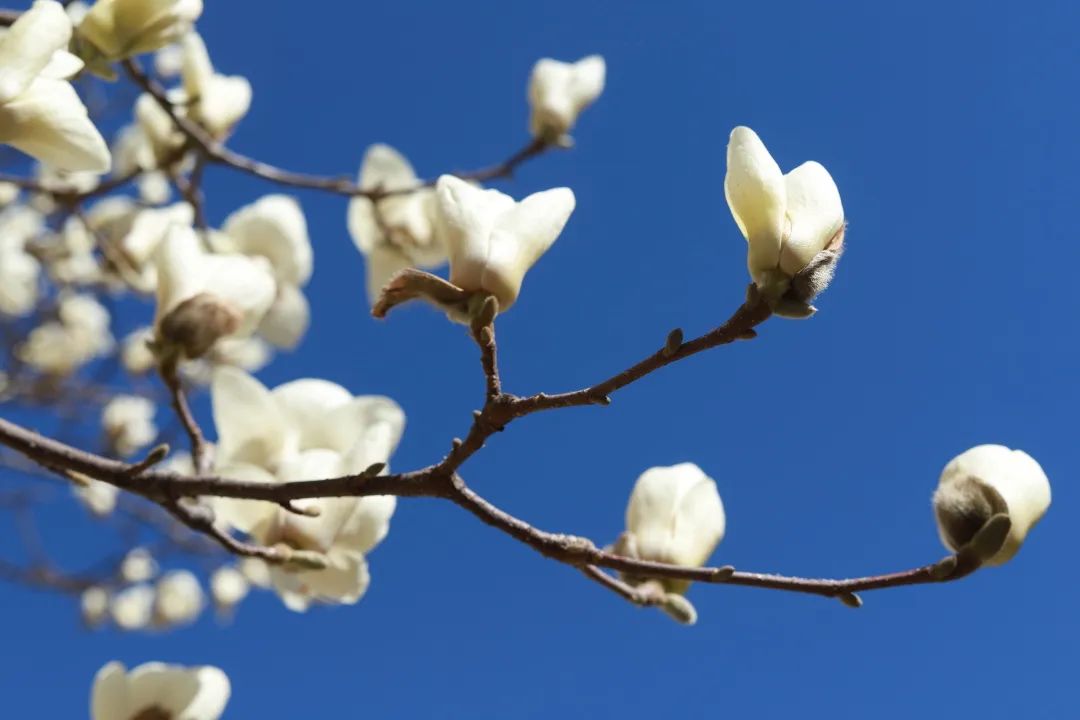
171	377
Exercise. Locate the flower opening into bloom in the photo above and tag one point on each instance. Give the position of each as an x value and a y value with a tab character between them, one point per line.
119	29
559	91
156	691
794	223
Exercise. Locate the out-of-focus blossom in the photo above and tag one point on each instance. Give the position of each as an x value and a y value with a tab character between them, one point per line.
304	430
94	604
119	29
133	607
78	335
169	60
40	112
98	497
129	423
155	691
228	587
559	91
179	599
19	270
793	224
203	297
398	231
215	101
138	566
135	353
274	228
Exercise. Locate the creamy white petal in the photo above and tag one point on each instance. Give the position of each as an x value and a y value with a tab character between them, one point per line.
382	263
28	46
814	213
123	28
49	122
757	196
369	523
306	404
287	319
274	227
559	91
109	695
367	429
247	516
250	425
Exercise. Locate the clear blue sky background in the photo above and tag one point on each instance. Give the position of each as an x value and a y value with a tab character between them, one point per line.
950	129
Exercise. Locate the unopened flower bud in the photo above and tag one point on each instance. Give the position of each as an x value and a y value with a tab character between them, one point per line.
94	603
559	91
985	483
197	323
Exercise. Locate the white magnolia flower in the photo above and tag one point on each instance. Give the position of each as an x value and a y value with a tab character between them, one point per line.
179	599
138	566
19	270
155	691
274	228
94	604
228	587
492	240
132	608
203	297
160	135
71	258
257	572
398	231
135	353
149	228
559	91
9	193
217	102
40	112
129	423
122	28
794	223
675	516
98	497
305	430
169	60
78	335
988	480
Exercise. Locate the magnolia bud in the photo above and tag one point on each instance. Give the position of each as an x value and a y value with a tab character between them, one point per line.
793	223
559	91
197	323
985	483
95	605
675	516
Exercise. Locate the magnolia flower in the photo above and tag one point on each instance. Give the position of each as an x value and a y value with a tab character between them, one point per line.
122	28
398	231
78	335
217	102
98	497
169	60
149	228
675	516
304	430
132	608
129	423
155	691
179	599
492	240
228	586
70	259
985	481
40	113
9	193
203	297
794	223
94	603
138	566
160	133
19	270
274	228
559	91
135	353
256	572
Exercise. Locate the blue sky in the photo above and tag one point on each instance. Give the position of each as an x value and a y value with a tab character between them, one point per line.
950	130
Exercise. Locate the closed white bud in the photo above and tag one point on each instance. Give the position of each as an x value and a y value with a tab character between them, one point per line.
179	599
794	223
129	426
675	516
559	91
133	607
138	566
228	586
492	240
94	603
985	481
119	29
